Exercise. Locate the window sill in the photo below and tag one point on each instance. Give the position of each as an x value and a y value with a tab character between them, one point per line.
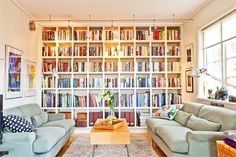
226	103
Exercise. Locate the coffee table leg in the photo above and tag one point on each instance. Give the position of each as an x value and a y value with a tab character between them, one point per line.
126	146
93	150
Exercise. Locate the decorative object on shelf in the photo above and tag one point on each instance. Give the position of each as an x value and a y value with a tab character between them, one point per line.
110	99
189	81
221	93
210	94
13	72
30	78
189	55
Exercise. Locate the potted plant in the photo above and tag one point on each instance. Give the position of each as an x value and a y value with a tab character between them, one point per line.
110	99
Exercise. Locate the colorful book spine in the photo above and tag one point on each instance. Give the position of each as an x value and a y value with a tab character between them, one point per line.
111	35
126	35
174	98
126	82
65	51
49	82
158	34
143	66
95	66
65	34
64	83
174	82
95	50
127	66
111	82
158	50
49	66
49	99
80	83
95	83
95	35
111	66
142	51
48	51
111	51
79	66
173	67
64	66
158	66
173	34
143	82
95	100
142	35
64	100
80	101
48	35
143	99
127	100
158	100
173	51
126	50
80	35
80	51
158	82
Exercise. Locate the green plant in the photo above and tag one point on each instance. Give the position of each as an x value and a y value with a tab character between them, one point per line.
109	97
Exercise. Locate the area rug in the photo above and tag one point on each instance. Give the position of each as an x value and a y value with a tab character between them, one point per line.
138	147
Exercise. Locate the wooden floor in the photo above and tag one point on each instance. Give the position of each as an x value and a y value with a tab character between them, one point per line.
73	137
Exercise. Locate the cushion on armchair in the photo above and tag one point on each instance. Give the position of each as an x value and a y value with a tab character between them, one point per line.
39	119
199	124
15	123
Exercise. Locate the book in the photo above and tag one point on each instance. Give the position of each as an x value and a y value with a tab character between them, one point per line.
95	50
80	101
65	51
64	100
48	51
80	50
80	83
158	51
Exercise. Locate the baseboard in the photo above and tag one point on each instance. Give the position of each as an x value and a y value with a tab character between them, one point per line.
87	130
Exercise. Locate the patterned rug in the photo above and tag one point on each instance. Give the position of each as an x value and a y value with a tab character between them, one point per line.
138	147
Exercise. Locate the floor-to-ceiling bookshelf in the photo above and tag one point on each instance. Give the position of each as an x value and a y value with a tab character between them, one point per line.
140	64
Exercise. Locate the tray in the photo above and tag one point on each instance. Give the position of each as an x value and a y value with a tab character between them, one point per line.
103	125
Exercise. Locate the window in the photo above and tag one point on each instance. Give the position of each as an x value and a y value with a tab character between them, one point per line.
219	55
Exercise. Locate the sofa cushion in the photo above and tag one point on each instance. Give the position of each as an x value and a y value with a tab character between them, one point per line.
46	138
40	119
152	123
65	123
15	123
223	116
169	111
174	137
182	117
199	124
193	108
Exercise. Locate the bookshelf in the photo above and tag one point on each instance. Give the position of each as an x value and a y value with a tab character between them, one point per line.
141	64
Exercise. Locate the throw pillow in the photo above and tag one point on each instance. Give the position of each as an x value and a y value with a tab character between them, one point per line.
39	119
199	124
168	111
182	117
16	123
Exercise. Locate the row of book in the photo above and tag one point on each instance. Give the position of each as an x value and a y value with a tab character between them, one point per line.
127	100
64	66
95	35
64	83
48	35
126	50
80	82
158	100
111	35
142	35
127	66
174	82
173	66
80	35
173	34
174	98
158	66
111	66
64	100
95	51
65	34
80	101
95	83
126	82
142	66
111	51
142	51
143	99
49	66
158	50
80	66
80	50
48	99
126	35
95	66
141	118
143	82
95	101
65	51
48	51
158	34
129	116
173	51
49	82
111	82
158	82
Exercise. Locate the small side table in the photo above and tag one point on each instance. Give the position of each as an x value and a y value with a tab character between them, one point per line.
224	150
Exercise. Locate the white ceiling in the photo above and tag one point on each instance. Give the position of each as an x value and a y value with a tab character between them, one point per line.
111	9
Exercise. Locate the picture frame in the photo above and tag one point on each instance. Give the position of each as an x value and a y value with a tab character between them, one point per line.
13	72
189	60
30	78
189	82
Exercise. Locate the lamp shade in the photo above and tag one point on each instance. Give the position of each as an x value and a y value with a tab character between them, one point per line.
194	72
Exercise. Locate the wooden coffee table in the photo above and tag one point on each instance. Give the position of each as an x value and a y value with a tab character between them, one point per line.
118	136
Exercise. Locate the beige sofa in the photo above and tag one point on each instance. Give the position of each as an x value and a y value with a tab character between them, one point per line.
179	140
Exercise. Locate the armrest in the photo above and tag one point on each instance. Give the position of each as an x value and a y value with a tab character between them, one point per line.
21	137
56	116
203	143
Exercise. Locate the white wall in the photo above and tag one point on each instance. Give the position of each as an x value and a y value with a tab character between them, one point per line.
213	11
14	31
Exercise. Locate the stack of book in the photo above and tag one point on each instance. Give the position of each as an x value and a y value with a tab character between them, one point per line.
111	66
173	66
93	116
81	120
111	35
129	116
141	118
